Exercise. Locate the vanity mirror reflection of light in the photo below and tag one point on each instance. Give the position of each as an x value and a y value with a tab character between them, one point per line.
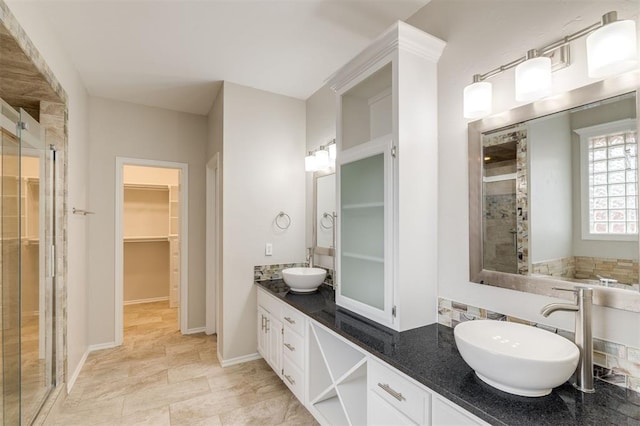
324	189
553	190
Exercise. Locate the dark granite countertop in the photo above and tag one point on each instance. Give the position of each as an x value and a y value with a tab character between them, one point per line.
430	356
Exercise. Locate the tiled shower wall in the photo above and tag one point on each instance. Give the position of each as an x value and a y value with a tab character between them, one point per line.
614	363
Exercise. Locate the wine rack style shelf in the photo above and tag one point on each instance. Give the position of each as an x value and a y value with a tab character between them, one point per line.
337	378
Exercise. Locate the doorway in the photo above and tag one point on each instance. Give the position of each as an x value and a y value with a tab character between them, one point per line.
151	238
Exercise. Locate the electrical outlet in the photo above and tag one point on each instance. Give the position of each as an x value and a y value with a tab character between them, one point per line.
268	249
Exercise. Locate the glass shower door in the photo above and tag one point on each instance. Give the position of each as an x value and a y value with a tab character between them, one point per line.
36	330
10	260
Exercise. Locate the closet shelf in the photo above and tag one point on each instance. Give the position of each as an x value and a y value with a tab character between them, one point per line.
146	186
363	257
146	239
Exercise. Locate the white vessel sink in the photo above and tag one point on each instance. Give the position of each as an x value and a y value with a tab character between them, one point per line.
516	358
303	280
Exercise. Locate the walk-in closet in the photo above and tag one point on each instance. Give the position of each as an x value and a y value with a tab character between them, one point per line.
151	226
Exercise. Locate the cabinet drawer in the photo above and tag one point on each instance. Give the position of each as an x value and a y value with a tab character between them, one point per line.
293	346
293	378
408	398
293	319
381	413
268	302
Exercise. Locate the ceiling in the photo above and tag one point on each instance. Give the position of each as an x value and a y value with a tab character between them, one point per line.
174	53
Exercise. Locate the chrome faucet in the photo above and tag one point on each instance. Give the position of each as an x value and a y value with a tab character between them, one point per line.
583	338
310	257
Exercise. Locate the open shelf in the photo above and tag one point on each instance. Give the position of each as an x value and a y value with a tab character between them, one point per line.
340	357
331	409
353	393
319	378
337	378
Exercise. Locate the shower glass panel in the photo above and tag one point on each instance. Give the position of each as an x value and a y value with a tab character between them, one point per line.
36	329
11	210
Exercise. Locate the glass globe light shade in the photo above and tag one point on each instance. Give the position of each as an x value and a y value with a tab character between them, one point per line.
612	49
533	79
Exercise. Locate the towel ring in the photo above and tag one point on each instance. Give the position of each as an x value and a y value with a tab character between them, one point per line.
326	221
283	217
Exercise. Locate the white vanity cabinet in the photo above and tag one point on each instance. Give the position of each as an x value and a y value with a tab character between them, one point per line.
339	382
270	332
293	349
281	341
386	262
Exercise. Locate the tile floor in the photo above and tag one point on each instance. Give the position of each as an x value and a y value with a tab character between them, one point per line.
159	377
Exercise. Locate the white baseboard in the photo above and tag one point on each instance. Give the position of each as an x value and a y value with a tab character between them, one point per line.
194	330
151	300
72	380
101	346
238	360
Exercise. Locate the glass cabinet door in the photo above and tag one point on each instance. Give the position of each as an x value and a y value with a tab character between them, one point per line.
363	274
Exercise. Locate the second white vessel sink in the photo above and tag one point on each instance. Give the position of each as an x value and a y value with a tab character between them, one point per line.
304	280
516	358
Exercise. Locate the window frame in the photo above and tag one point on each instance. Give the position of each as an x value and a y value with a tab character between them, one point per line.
585	133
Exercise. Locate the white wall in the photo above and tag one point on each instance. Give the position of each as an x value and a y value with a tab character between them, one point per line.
480	36
38	30
264	142
129	130
550	188
320	129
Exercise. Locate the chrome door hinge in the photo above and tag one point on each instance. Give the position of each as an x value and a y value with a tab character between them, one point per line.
393	311
394	151
22	125
282	331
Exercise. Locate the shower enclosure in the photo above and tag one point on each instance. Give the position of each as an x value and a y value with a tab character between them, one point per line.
27	168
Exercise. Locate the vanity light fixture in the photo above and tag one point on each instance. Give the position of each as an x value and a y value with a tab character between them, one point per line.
533	77
478	98
310	163
321	158
611	49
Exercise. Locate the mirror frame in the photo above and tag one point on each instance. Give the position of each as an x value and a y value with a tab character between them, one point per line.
603	296
326	251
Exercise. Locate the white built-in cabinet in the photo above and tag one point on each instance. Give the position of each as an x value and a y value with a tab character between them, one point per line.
387	163
340	383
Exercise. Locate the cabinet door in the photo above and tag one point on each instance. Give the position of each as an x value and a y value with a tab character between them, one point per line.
364	266
275	343
262	333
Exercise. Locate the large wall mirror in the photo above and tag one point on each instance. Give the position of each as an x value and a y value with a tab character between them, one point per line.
554	195
324	188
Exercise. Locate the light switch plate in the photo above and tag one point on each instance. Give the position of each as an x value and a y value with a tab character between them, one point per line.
268	249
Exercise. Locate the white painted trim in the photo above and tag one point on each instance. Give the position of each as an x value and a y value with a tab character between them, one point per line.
150	300
72	380
238	360
212	252
102	346
119	251
194	330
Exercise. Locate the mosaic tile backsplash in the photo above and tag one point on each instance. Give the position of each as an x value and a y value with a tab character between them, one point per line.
614	363
274	272
625	271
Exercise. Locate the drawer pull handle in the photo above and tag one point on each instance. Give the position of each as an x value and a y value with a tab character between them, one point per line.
291	348
290	379
289	320
395	394
263	323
